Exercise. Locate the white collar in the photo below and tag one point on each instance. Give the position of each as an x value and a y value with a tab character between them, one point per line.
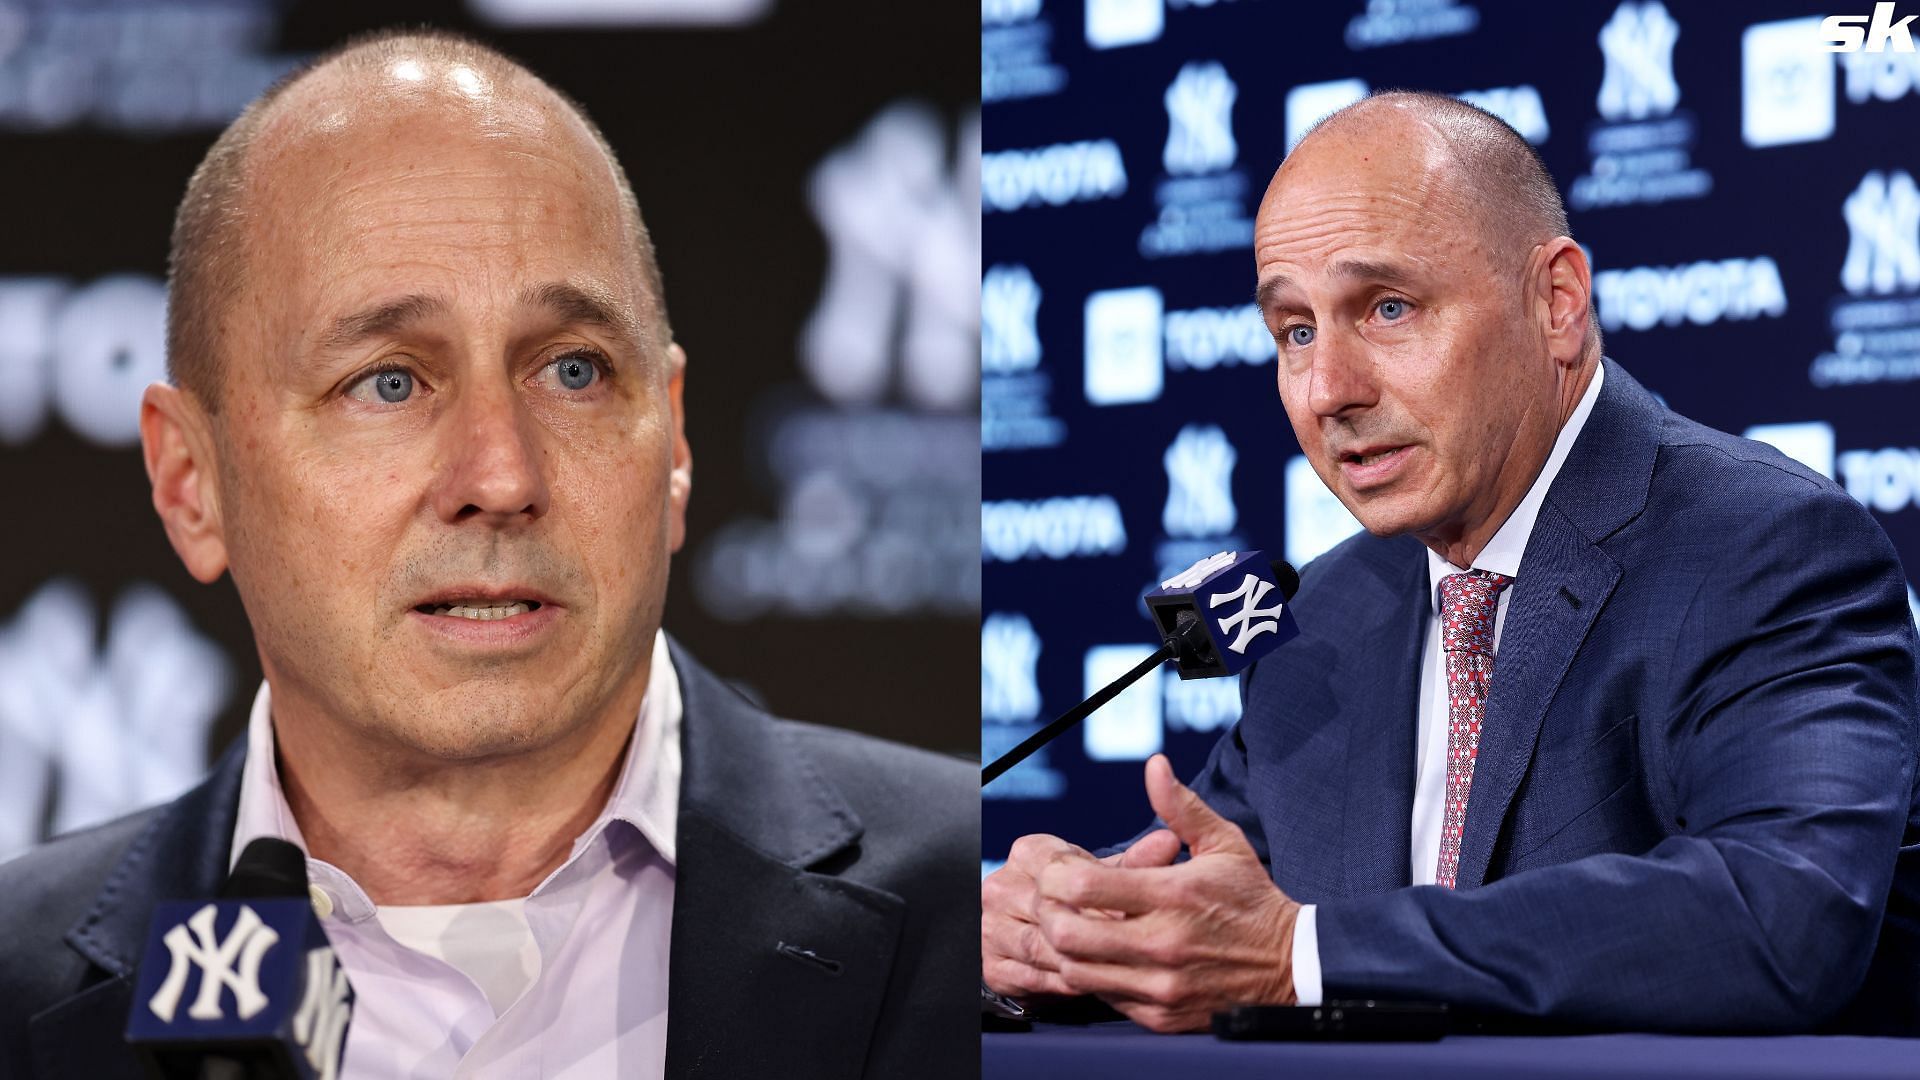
647	795
1502	553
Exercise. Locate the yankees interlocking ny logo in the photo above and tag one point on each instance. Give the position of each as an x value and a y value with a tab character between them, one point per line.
1883	252
1009	305
1245	624
100	730
1200	120
1638	45
1199	482
321	1023
902	218
247	943
1009	653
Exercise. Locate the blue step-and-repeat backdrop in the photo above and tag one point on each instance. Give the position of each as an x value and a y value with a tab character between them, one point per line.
1748	199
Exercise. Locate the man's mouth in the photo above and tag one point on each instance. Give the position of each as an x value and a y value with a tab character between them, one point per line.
483	610
1370	456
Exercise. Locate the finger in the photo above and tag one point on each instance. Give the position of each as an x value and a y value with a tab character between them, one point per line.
1159	1018
1117	983
1187	815
1127	890
1007	891
1034	850
1076	935
1017	980
1158	848
1024	942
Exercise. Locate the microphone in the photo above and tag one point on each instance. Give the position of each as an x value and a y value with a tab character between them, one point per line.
1216	636
243	987
1202	630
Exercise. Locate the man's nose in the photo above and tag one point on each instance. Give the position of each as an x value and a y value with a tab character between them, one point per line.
1340	381
494	466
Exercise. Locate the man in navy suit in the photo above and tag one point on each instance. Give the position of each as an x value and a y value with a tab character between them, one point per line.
1607	718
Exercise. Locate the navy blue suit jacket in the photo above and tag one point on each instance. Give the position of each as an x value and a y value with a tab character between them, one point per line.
791	836
1695	773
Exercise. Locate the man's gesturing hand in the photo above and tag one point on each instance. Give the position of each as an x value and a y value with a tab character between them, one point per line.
1207	934
1015	958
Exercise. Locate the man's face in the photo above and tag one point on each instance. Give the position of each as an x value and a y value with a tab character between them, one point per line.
1407	364
451	455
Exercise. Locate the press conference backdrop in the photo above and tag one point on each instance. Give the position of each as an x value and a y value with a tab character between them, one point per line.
810	174
1749	203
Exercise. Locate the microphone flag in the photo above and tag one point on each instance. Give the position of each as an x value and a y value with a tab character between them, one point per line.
251	978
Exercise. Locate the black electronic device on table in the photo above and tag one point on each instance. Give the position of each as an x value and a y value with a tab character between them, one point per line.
1360	1020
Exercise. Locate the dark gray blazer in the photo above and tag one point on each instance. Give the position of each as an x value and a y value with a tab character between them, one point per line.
863	852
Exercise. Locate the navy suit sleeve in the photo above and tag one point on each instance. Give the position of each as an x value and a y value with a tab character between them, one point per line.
1788	753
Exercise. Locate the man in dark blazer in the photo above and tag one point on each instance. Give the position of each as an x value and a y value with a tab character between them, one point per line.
815	931
1661	783
426	410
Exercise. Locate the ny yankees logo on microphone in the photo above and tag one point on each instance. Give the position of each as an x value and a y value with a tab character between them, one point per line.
1251	620
321	1024
247	943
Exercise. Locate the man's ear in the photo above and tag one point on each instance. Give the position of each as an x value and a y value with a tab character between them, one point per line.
1564	284
176	438
680	479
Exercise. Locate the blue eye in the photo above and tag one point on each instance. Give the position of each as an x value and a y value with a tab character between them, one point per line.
575	372
391	386
1300	336
1391	310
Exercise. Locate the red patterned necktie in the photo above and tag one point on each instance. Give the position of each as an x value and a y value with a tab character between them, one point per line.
1468	603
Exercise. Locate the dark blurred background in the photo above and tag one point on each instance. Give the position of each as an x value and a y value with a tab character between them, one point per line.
810	174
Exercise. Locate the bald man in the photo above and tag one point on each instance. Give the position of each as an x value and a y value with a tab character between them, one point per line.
426	411
1607	718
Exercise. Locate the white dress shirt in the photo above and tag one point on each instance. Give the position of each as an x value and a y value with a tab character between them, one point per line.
1501	556
567	983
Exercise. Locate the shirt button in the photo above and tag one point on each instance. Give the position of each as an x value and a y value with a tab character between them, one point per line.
322	903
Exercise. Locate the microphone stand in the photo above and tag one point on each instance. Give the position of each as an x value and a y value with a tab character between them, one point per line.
1188	636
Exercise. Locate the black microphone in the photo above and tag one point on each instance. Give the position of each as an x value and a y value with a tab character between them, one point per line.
1215	618
243	987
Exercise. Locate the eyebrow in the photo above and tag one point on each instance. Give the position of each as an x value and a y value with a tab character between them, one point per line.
571	304
577	306
380	320
1385	273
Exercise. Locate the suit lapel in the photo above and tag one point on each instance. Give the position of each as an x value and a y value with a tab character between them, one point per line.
1565	579
1382	703
778	967
182	854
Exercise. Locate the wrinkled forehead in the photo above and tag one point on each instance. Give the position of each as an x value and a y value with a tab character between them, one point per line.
1384	194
